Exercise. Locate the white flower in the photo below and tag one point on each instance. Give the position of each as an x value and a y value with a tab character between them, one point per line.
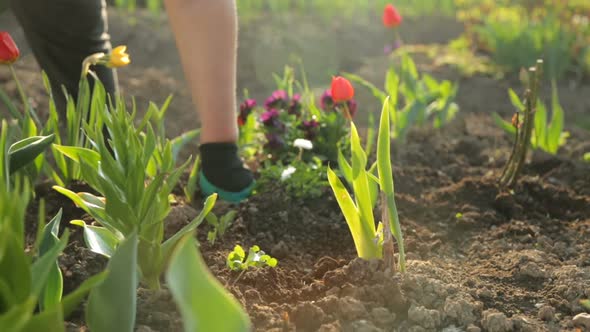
303	144
287	172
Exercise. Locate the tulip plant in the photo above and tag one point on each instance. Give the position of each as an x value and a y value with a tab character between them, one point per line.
31	296
358	209
130	212
21	153
133	186
392	19
32	139
423	96
133	170
9	54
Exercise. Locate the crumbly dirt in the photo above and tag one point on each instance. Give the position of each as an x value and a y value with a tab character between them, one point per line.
514	261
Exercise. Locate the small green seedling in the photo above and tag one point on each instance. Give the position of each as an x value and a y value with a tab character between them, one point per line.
220	225
237	260
587	157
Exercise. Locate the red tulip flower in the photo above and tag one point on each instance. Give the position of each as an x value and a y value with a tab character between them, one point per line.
391	17
8	50
341	90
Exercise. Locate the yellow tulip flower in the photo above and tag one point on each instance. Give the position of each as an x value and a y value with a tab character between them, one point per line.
118	57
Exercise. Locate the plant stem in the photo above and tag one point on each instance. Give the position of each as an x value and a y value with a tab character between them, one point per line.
388	251
238	277
523	137
398	236
398	39
346	111
23	96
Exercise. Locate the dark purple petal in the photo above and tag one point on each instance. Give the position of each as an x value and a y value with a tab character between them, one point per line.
310	129
278	100
310	124
326	101
247	105
245	109
274	141
352	107
269	117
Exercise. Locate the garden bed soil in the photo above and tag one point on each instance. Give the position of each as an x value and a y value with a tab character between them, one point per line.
512	261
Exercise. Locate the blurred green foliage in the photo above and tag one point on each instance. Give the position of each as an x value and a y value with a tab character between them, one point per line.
323	8
515	33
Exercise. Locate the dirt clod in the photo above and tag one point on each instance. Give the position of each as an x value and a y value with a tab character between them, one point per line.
494	321
424	317
364	326
351	308
546	313
524	324
308	316
280	250
382	317
332	327
463	309
532	270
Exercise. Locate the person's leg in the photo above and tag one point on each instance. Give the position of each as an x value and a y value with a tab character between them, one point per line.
206	37
61	34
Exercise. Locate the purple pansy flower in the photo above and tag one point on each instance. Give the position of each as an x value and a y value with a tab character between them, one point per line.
310	129
326	101
278	100
245	109
274	141
270	117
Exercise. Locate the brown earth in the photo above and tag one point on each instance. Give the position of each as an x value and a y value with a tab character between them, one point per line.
514	261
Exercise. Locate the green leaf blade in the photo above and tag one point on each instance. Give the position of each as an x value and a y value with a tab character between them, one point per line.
384	152
25	151
112	304
204	304
42	267
554	134
98	239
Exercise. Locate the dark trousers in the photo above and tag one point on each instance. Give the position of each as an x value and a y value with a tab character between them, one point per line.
61	34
